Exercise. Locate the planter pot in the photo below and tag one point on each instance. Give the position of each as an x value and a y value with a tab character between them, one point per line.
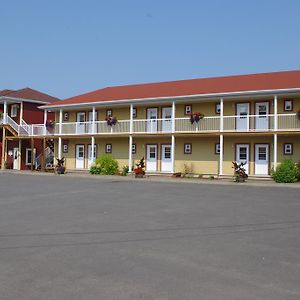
139	175
60	170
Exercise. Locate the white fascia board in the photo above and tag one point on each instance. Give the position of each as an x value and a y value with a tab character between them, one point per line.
176	98
13	99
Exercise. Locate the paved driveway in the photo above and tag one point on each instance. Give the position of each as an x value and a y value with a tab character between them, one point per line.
86	238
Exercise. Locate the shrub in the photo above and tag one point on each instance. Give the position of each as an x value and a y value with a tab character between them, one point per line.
125	170
286	172
105	164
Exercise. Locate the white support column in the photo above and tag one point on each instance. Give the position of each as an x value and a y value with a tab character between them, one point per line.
5	112
21	111
221	114
131	119
93	122
93	146
45	121
173	153
275	114
130	154
173	116
221	154
275	152
20	154
60	121
59	148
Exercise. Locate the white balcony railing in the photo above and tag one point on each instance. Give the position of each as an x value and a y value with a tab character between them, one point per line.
247	123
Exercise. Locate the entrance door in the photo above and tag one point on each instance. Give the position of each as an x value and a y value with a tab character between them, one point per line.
261	119
261	159
79	164
167	119
151	162
242	119
152	115
16	159
90	158
90	124
166	158
80	125
242	155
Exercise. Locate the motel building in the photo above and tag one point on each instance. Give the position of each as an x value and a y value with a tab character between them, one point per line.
249	118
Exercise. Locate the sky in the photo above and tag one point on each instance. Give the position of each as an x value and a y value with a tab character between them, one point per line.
66	48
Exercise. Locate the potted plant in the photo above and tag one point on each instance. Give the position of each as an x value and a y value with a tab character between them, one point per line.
111	121
196	117
50	125
240	174
60	166
139	171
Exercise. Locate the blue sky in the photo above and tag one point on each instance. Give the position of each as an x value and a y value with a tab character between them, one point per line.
66	48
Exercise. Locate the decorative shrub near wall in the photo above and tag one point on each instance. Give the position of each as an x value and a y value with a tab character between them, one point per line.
105	165
286	172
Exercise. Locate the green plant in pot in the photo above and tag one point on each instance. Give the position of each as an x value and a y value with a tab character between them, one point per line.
240	174
60	166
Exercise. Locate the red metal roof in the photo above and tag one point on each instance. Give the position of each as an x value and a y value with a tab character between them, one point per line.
202	86
29	94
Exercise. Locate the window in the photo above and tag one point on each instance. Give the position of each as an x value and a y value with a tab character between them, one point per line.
108	112
133	149
288	149
262	153
66	116
28	156
65	148
167	153
14	110
243	153
217	148
187	148
134	112
218	108
108	148
188	109
288	105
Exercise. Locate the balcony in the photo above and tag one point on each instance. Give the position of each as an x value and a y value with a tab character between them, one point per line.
238	124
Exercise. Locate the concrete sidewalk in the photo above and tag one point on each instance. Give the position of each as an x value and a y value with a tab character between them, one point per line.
157	178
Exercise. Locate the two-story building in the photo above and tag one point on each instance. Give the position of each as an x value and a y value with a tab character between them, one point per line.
19	109
247	118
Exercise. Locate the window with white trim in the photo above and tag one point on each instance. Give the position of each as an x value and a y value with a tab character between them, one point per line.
108	148
133	149
288	149
28	156
188	109
187	148
218	108
288	105
14	110
217	148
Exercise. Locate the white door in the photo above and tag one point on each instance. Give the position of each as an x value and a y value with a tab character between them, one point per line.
16	159
80	125
242	118
152	115
167	119
90	157
261	159
90	124
151	162
166	158
79	164
261	119
242	155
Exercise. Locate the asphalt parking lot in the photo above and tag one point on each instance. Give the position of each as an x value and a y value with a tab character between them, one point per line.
86	238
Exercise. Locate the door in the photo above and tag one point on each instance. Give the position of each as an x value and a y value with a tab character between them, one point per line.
261	159
152	115
90	124
16	158
261	119
242	155
79	164
166	158
167	119
151	162
242	118
80	125
90	157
